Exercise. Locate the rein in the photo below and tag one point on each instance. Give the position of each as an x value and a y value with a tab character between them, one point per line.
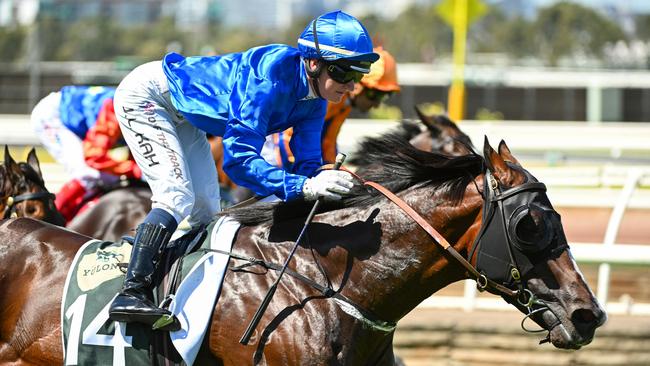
482	281
522	295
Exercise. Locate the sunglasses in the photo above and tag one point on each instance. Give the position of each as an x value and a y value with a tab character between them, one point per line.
342	75
377	95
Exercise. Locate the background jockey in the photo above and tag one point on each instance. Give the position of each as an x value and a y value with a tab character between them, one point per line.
374	88
78	128
166	107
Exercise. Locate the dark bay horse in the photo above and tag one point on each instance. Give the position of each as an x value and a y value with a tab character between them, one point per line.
442	135
363	267
113	215
433	133
23	191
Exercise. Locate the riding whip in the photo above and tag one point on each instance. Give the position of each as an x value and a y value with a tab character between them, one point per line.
269	295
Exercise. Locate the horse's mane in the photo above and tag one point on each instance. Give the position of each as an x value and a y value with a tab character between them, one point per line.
397	165
405	131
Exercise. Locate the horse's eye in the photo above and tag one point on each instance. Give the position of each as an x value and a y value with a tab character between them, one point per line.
530	230
527	228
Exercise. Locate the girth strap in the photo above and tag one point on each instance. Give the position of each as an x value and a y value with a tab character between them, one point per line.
326	291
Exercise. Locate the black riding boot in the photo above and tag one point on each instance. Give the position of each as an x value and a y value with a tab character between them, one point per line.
132	304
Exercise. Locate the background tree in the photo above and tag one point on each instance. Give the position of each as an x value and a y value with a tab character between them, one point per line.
12	43
151	42
497	33
51	35
561	31
567	29
90	39
417	35
642	27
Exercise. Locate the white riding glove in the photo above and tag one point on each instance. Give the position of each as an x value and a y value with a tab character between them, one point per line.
329	184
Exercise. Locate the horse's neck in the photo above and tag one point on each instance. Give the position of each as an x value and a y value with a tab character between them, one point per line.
409	265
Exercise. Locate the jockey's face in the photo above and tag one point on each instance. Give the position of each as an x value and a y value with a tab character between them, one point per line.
329	89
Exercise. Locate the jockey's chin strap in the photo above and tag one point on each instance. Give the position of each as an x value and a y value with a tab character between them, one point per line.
482	281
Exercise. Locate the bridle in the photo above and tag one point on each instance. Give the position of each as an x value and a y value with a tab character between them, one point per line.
502	212
10	202
439	143
497	204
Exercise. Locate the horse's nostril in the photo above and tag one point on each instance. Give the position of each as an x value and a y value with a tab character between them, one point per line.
583	316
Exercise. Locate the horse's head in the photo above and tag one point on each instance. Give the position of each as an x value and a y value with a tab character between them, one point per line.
23	191
522	246
441	135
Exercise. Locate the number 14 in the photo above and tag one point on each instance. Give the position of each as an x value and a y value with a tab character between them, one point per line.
119	341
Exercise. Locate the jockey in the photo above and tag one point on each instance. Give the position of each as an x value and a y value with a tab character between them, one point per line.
166	107
78	128
375	87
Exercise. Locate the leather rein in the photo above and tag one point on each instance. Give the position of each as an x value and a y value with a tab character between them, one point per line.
482	281
492	196
522	296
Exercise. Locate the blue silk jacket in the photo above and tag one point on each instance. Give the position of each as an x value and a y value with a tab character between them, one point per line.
244	97
80	106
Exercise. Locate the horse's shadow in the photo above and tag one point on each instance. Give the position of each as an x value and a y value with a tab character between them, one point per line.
361	239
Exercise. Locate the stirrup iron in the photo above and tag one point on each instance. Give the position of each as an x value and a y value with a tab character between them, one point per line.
167	322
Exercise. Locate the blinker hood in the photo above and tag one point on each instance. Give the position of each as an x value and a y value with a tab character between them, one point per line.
505	242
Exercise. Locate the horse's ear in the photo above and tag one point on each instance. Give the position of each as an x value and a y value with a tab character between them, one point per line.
32	160
445	122
505	153
8	157
429	122
420	114
494	161
10	164
9	161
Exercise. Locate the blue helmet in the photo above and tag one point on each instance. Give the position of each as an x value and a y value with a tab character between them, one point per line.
338	37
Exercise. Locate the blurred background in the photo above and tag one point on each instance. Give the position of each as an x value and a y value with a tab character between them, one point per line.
565	83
